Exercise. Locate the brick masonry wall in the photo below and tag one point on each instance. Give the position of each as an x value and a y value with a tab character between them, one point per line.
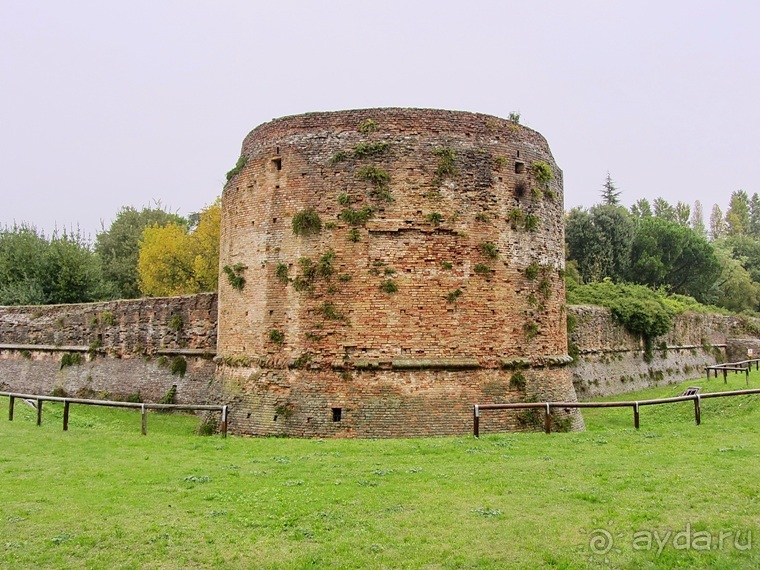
427	240
120	327
611	360
398	243
124	347
375	400
384	403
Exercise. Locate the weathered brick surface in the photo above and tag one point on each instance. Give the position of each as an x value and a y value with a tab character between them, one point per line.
108	377
611	360
346	321
123	327
133	343
378	397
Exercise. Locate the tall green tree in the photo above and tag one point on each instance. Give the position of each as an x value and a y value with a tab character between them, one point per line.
717	225
610	192
666	254
754	215
119	249
683	213
22	250
663	210
738	214
35	270
599	240
735	289
641	209
698	220
746	250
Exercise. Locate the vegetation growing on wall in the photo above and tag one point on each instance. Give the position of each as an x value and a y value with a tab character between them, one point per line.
542	173
368	149
489	250
235	275
276	336
239	165
281	273
356	217
306	222
71	359
179	366
446	164
434	218
368	126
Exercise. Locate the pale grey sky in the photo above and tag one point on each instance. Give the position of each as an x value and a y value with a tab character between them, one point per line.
105	103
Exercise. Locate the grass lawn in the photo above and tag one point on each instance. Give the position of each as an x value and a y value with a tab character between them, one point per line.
103	496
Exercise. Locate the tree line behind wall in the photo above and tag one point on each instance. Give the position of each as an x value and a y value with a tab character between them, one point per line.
669	247
147	252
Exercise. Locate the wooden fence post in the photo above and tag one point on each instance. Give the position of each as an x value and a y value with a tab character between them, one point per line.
39	412
10	409
548	419
476	421
66	416
636	415
697	410
144	420
224	421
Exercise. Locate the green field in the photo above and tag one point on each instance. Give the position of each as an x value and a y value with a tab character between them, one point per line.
103	496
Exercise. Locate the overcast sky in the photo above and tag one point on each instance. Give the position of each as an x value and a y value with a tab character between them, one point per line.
105	104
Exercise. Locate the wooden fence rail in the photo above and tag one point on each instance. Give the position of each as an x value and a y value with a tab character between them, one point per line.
741	366
547	406
144	407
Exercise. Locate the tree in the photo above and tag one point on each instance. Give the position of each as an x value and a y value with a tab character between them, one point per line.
73	273
36	270
641	209
22	250
663	210
173	261
682	213
717	225
737	216
666	254
599	240
610	193
746	250
735	289
119	249
698	220
754	215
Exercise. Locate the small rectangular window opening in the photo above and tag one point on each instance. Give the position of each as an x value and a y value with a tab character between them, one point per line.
277	163
519	167
337	413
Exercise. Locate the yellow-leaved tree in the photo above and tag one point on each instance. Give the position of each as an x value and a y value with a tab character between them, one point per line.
175	261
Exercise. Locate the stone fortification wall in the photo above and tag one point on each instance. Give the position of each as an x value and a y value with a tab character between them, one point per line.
112	349
612	361
139	344
436	268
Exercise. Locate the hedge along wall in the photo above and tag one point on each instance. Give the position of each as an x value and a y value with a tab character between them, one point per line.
610	360
112	349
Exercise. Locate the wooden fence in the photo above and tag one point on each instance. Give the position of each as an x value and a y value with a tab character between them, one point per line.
108	403
741	366
548	406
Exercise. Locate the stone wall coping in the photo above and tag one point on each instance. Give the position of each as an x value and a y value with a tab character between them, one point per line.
668	347
77	348
45	347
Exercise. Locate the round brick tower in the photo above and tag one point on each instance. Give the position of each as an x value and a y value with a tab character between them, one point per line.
384	269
